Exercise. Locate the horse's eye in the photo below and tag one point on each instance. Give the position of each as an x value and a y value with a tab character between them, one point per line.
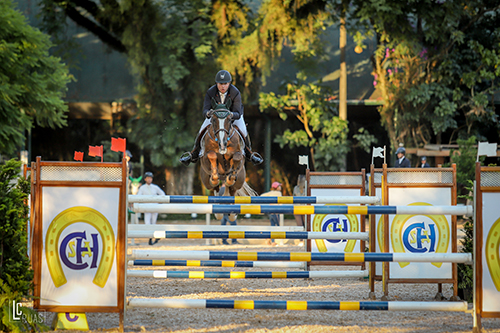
216	139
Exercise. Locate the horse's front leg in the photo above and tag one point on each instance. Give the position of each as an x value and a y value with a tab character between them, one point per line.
214	175
235	164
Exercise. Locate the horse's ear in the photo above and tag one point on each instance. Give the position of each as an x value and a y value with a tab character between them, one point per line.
229	102
139	179
214	103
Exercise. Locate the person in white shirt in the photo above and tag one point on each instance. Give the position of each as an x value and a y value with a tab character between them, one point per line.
150	189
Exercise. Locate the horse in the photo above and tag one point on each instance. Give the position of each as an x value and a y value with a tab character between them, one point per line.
222	160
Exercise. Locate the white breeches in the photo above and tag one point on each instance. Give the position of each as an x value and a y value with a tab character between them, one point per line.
239	122
150	218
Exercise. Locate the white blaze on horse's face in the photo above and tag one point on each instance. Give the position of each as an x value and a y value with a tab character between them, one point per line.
222	137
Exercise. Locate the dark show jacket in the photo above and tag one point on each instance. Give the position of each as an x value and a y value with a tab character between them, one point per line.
233	93
404	164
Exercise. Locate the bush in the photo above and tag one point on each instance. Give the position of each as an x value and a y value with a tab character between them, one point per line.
14	261
16	276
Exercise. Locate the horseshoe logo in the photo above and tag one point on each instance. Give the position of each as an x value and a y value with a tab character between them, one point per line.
397	238
353	227
491	251
67	218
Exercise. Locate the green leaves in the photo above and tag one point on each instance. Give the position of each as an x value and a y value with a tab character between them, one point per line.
324	133
32	83
434	66
15	267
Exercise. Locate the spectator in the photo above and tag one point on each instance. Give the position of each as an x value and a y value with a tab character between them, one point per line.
128	156
224	221
150	189
276	189
300	191
402	161
423	162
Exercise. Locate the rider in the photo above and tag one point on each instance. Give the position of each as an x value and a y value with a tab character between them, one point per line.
221	91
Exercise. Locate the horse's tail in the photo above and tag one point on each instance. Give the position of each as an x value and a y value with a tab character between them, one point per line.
246	191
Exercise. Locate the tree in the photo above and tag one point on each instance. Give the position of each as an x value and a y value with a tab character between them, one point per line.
32	83
436	66
324	133
171	47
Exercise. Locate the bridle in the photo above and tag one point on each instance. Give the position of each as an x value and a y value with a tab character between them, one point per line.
230	133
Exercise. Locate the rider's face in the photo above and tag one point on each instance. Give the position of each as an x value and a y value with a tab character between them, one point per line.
223	87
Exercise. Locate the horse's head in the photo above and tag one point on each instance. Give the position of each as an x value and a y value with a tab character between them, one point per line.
135	184
221	122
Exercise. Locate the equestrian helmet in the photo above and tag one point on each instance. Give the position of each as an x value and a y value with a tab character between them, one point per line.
401	150
223	76
148	174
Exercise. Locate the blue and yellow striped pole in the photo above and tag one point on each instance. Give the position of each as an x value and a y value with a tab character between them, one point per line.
300	210
245	275
302	256
188	199
216	263
133	302
248	234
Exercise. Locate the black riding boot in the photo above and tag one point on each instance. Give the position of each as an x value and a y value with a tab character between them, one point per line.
193	155
251	156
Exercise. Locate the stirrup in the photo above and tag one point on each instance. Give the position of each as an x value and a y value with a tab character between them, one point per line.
256	158
186	158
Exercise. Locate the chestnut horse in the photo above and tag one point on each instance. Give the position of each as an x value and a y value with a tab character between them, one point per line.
222	161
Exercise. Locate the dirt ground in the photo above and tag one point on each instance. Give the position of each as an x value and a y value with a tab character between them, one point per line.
228	320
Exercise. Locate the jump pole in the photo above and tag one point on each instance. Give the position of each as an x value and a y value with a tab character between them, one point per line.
182	199
246	275
300	210
217	263
248	235
302	256
133	302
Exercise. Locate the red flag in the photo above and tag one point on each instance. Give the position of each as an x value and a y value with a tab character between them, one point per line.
95	151
78	156
118	144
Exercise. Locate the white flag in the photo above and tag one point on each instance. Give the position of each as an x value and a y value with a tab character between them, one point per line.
303	160
378	152
488	149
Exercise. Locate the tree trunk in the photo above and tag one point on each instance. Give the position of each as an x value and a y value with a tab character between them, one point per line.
180	180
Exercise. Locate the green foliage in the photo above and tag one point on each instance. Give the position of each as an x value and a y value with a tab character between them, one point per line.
465	273
324	133
14	261
465	158
170	47
436	66
15	273
32	83
28	318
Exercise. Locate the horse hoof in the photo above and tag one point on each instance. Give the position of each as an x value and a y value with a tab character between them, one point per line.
219	216
232	217
230	182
